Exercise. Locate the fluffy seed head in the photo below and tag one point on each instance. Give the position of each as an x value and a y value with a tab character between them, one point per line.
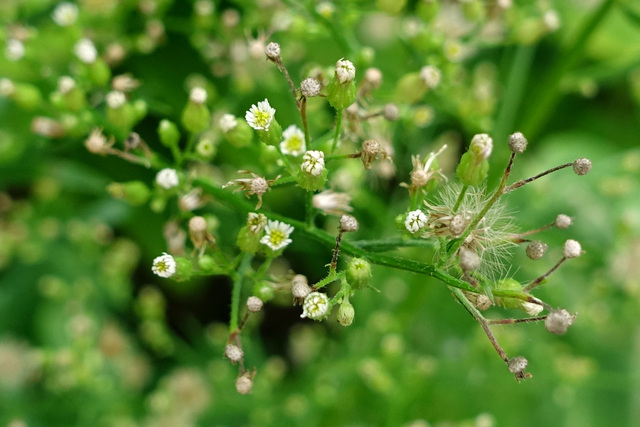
535	250
469	259
517	364
244	383
272	50
348	223
254	304
582	166
233	353
517	143
310	87
557	322
571	249
563	221
391	112
457	225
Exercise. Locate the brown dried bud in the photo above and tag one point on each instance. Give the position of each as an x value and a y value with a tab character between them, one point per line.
348	223
535	250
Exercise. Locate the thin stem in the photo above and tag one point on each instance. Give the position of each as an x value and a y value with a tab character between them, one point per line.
308	216
331	277
536	282
285	161
245	264
381	245
522	182
463	191
336	252
284	71
512	321
336	135
305	123
519	237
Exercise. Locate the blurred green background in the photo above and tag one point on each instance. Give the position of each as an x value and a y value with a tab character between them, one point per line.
88	336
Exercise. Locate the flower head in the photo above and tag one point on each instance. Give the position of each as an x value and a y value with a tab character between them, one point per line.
116	99
316	306
276	235
430	75
198	95
293	141
310	87
260	117
228	122
14	50
164	265
313	162
65	14
345	71
86	51
415	221
256	222
167	178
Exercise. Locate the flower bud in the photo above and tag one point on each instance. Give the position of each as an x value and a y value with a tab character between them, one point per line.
557	322
517	143
470	171
196	116
582	166
535	250
312	174
481	147
299	288
563	221
240	135
341	91
469	259
430	76
348	223
167	178
571	249
316	306
206	149
509	285
134	192
254	304
184	269
26	96
410	89
391	112
99	72
168	133
346	313
233	353
358	273
415	221
264	291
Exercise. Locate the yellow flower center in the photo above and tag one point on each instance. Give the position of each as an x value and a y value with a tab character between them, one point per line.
262	118
294	143
277	237
162	266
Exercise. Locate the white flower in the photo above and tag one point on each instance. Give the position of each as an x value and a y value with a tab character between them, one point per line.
65	14
256	222
86	51
292	141
260	117
228	122
116	99
66	84
313	162
430	75
332	202
167	178
198	95
277	235
345	71
481	145
415	220
316	306
164	265
14	50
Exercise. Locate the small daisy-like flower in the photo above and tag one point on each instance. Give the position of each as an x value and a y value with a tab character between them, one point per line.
260	117
430	75
116	99
415	221
256	222
345	71
332	203
292	141
167	178
86	51
65	14
14	50
164	265
313	162
277	235
316	306
227	122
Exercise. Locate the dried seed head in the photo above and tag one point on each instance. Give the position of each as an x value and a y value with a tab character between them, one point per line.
563	221
469	259
259	185
517	365
571	249
370	150
517	143
483	302
310	87
254	304
582	166
557	322
197	224
133	141
233	353
457	225
97	143
419	178
535	250
391	112
348	223
244	383
299	288
272	51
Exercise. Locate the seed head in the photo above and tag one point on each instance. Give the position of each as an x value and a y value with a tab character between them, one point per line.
535	250
348	223
244	383
233	353
517	143
299	288
272	51
259	186
373	77
310	87
571	249
469	259
457	225
563	221
517	365
582	166
557	322
391	112
254	304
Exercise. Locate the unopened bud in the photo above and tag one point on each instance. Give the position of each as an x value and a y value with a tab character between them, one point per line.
535	250
348	223
346	313
481	146
254	304
168	133
373	77
198	231
358	273
557	322
233	353
517	143
299	288
571	249
563	221
582	166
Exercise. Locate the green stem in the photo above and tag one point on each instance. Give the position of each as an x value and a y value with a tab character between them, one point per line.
237	290
305	123
336	135
285	161
544	106
308	216
381	245
460	198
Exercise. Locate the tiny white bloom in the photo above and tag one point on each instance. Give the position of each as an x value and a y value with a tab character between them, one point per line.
198	95
481	145
277	235
86	51
345	71
65	14
228	122
313	162
415	220
164	265
167	178
14	50
66	84
293	141
260	117
116	99
430	75
316	306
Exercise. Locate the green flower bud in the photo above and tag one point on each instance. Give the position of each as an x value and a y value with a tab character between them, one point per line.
119	111
248	241
273	136
310	182
358	273
341	91
139	109
509	285
99	72
27	96
470	171
410	89
195	117
184	269
346	313
264	291
240	135
134	192
168	133
427	9
208	264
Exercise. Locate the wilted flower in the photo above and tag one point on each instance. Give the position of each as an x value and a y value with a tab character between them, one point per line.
255	185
